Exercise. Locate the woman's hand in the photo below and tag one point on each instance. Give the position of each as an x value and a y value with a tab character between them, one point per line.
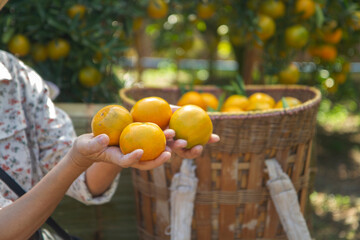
88	149
178	146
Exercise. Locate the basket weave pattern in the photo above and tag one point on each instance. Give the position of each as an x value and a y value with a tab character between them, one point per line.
232	201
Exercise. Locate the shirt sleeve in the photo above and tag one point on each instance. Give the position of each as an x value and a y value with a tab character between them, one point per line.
55	135
4	202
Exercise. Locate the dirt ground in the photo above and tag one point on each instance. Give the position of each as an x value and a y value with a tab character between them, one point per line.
336	196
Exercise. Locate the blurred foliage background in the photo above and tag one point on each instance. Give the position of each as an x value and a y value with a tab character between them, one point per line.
86	47
91	49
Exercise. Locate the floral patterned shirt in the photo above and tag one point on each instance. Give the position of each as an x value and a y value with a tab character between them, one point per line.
34	134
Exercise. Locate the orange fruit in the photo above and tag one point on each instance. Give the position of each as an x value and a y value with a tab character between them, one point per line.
289	75
272	8
152	109
157	9
89	77
146	136
296	36
257	106
19	45
260	100
76	9
39	53
192	124
291	101
328	53
192	97
205	11
266	27
232	109
237	101
354	22
58	48
340	78
333	37
210	100
306	8
111	120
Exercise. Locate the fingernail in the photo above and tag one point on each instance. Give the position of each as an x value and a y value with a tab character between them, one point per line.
102	139
140	152
182	142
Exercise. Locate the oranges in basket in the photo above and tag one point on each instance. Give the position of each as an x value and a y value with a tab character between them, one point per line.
237	103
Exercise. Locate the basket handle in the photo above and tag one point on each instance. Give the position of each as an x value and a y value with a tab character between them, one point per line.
285	199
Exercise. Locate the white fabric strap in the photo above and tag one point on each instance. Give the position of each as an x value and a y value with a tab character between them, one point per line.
285	199
183	190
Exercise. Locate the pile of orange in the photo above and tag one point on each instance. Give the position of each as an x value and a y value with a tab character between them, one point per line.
238	103
142	127
203	100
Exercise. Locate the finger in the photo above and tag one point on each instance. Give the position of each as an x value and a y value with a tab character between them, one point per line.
130	159
178	144
174	107
195	151
169	134
87	144
214	138
168	149
147	165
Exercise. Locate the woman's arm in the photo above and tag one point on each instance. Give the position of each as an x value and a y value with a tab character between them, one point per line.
22	218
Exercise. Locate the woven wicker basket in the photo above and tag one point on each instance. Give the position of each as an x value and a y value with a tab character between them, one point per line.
232	201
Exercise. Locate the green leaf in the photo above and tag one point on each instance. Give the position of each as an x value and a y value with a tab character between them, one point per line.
5	38
240	82
319	15
210	109
183	89
40	10
221	101
284	103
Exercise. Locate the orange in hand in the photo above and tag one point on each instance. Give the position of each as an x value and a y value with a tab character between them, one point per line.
146	136
193	98
111	120
152	109
192	124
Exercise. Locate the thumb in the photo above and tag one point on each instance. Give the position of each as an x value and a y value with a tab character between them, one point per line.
98	143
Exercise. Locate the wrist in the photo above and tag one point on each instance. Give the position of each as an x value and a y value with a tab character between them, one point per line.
78	163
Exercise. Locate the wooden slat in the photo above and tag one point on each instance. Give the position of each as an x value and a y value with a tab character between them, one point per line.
161	205
304	192
137	197
299	163
228	183
203	211
175	164
146	207
254	182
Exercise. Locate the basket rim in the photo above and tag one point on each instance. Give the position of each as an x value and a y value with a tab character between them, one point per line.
248	114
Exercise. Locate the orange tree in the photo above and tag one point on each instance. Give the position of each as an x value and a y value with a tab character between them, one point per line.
321	35
71	43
